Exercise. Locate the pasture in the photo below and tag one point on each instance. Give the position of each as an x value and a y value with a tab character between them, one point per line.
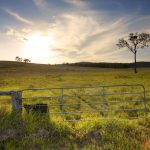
33	131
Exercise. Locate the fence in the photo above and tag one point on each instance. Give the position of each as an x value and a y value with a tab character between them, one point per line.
74	103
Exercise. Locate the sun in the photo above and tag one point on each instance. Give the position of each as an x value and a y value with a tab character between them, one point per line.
37	46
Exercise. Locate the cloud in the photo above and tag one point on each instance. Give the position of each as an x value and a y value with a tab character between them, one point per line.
77	3
78	28
42	4
20	35
86	35
18	17
38	2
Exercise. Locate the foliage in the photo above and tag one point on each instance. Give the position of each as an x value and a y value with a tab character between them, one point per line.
136	41
18	59
27	60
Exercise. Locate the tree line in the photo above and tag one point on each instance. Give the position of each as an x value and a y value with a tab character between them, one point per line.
108	65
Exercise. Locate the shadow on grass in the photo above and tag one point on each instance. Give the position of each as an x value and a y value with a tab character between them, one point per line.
34	131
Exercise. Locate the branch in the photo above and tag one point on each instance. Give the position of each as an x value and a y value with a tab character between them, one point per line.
124	43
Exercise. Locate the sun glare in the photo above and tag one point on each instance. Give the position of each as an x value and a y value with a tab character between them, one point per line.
37	46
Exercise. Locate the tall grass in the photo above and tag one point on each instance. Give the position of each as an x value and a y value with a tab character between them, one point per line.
32	131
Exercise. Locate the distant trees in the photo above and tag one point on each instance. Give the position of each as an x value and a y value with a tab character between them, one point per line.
108	65
135	42
18	59
27	60
100	64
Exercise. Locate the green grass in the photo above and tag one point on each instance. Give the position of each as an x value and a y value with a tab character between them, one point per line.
40	132
32	131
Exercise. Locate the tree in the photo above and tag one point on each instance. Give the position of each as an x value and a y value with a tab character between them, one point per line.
18	59
27	60
135	42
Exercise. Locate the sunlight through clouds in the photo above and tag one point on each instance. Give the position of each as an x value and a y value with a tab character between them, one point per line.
74	32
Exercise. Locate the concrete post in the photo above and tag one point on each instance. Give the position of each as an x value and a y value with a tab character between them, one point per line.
16	97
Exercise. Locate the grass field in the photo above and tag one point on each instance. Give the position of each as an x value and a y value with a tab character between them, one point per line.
32	131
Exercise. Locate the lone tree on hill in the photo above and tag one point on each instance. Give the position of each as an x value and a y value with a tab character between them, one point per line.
27	60
135	42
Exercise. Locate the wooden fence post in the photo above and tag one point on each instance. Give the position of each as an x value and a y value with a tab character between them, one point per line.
16	97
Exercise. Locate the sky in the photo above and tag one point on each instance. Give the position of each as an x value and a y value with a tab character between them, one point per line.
61	31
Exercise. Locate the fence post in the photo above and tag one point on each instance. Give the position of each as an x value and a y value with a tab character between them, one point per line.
104	100
145	109
16	97
62	102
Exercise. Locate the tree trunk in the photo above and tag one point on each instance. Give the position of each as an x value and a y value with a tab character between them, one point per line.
135	65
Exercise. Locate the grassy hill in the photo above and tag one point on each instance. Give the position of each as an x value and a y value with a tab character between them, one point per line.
35	131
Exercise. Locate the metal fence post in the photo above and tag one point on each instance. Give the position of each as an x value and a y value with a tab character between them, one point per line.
104	100
62	102
16	97
145	109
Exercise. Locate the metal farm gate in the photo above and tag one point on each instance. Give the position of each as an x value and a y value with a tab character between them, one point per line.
81	103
